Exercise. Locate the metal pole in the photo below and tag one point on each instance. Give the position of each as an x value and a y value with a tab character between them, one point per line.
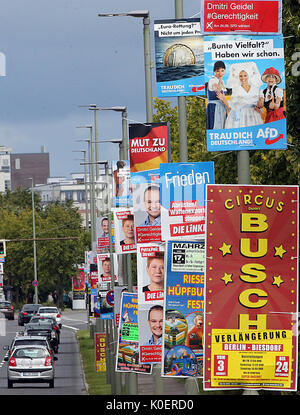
92	191
86	194
147	62
183	148
243	167
34	244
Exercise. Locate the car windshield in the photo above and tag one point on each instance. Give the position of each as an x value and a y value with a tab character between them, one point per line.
30	352
5	304
31	308
24	342
48	310
42	320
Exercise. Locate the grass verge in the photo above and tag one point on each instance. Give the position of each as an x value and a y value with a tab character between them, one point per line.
96	380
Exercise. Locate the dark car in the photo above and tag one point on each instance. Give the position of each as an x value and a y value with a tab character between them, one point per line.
27	312
7	309
43	329
52	320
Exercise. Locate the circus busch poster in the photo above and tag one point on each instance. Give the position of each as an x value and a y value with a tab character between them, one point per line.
251	288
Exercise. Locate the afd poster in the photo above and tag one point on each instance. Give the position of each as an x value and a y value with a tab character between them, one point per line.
252	274
246	96
149	145
183	199
248	16
128	344
184	309
122	192
179	58
146	206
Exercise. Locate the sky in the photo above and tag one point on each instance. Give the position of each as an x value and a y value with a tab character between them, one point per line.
60	56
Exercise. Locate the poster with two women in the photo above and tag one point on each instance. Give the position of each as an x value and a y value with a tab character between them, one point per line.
245	80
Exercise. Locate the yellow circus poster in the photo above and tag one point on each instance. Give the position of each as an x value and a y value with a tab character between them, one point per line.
251	288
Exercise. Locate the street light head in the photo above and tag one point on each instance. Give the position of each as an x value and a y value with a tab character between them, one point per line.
118	109
134	13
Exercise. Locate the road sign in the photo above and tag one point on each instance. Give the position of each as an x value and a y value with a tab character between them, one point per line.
110	297
35	283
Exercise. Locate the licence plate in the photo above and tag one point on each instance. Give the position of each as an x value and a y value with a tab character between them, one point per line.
31	373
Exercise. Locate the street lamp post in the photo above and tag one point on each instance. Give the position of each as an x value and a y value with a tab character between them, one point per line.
147	54
34	243
85	187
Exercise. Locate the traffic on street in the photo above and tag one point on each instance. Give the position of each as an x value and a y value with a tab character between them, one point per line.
42	370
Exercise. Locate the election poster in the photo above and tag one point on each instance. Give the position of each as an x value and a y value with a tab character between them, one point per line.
149	145
128	345
179	58
150	266
183	199
124	231
184	309
78	285
146	206
106	304
251	287
236	16
102	233
246	98
122	192
104	267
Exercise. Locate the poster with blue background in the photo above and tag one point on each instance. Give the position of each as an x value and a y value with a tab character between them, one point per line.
245	79
179	58
183	199
184	308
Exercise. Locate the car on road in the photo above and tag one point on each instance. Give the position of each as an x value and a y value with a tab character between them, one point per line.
43	329
50	312
28	310
48	319
30	364
21	340
7	309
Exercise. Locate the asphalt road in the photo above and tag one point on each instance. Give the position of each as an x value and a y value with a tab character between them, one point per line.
69	379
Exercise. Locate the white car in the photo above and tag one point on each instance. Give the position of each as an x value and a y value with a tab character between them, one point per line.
50	312
30	364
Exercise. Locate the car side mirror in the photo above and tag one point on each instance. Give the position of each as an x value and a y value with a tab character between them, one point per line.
5	359
55	358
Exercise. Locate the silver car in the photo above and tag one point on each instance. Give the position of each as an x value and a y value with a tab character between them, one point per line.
30	364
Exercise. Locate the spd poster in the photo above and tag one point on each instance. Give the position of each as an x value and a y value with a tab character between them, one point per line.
251	289
184	309
179	58
249	16
183	199
246	99
122	192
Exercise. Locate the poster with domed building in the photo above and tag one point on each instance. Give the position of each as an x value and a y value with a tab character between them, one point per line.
179	57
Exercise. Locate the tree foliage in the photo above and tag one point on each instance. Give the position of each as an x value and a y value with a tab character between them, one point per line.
57	258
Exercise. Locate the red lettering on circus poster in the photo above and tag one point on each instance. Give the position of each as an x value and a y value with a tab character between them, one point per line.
251	277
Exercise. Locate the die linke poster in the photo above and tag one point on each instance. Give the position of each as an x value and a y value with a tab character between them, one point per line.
252	16
183	199
246	93
179	57
251	287
149	145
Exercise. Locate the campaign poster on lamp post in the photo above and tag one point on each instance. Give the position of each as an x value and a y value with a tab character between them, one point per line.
183	199
246	94
184	309
149	145
151	274
179	57
124	231
146	206
234	16
251	288
127	359
122	192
